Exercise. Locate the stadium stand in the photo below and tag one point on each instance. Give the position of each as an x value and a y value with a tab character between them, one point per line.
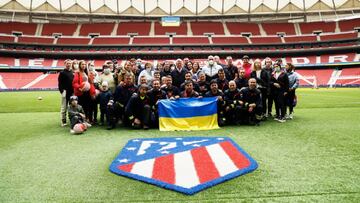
142	28
7	38
36	40
265	40
229	40
318	77
25	28
191	40
236	28
18	80
72	41
151	40
292	39
67	29
328	37
48	82
349	25
199	28
101	28
309	28
180	30
111	40
274	28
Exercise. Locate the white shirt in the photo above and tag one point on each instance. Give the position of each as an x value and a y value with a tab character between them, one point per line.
211	70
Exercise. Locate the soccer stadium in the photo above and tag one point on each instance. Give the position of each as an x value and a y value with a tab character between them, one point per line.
179	100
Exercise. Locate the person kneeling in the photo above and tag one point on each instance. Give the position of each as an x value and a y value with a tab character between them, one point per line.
77	117
138	109
251	101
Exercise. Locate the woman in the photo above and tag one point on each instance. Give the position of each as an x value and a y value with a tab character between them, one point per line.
262	81
83	89
195	71
293	84
147	73
279	87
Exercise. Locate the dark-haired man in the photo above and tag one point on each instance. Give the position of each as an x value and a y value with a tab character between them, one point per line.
138	110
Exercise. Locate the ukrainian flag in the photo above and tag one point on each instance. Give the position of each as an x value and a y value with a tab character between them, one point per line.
188	114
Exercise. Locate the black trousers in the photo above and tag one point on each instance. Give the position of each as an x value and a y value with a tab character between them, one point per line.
75	120
233	115
116	112
85	101
290	100
280	104
270	100
264	96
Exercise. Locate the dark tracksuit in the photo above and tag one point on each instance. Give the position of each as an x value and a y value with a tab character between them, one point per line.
264	82
232	106
183	94
220	106
104	98
139	107
171	91
122	96
178	77
241	82
74	115
278	93
270	97
250	96
222	84
231	72
203	87
155	96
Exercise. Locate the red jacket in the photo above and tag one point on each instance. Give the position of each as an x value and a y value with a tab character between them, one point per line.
248	69
77	84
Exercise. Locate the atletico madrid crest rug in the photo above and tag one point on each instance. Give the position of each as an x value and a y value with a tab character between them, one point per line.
184	164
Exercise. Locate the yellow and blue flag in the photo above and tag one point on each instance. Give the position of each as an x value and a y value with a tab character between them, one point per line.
188	114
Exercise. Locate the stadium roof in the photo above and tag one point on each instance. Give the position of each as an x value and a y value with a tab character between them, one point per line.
176	7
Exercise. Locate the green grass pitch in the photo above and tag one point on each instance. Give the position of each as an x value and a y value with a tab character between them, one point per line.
315	157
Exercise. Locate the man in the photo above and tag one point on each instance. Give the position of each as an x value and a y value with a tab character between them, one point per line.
171	91
178	74
188	78
279	87
218	62
241	81
231	71
65	79
216	92
155	94
211	69
251	101
293	85
222	82
233	104
121	98
189	91
270	98
203	84
138	110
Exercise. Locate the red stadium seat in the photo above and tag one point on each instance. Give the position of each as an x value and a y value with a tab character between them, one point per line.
63	28
142	28
199	28
73	40
236	28
50	81
18	80
190	40
265	40
309	28
180	30
101	28
229	40
290	39
7	38
36	40
25	28
151	40
339	36
349	25
111	40
274	28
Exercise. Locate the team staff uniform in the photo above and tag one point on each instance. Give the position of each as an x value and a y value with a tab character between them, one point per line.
233	107
215	92
262	81
251	102
155	94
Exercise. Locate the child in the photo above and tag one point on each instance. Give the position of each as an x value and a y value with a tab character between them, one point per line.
76	116
104	97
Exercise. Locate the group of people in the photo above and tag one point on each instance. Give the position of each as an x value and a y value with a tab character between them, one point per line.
129	94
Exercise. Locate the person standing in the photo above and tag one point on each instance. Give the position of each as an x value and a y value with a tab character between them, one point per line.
293	85
279	87
65	79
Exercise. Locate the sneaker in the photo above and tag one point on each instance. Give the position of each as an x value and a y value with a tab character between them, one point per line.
145	127
63	124
276	118
281	120
287	116
291	116
72	131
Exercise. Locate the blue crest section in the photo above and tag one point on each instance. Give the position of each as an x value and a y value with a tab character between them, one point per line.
142	149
